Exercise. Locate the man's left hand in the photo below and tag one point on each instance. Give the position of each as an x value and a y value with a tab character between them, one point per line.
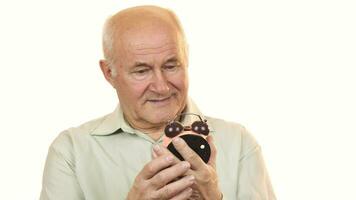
206	179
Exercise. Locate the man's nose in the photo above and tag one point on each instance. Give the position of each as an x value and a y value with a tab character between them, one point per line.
159	83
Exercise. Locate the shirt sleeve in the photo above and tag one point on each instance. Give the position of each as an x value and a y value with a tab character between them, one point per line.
253	181
59	179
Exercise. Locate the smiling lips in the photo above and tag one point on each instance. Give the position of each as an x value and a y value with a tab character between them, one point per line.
160	100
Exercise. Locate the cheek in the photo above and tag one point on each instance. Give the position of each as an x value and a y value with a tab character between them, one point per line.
180	81
138	89
131	90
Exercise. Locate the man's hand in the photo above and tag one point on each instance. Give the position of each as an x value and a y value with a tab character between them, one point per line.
206	180
205	174
159	179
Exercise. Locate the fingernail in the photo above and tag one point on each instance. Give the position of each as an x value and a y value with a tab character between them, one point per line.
191	178
154	154
178	140
157	148
189	190
169	159
186	165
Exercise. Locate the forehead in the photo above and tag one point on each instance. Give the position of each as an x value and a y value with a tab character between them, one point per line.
150	41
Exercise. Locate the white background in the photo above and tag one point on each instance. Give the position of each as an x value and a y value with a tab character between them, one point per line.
284	69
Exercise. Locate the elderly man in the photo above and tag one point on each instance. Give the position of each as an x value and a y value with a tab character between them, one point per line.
120	156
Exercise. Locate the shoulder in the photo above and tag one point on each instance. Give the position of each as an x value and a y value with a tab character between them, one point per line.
229	134
228	128
76	136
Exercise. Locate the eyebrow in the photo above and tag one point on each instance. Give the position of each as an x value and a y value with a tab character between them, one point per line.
173	59
141	64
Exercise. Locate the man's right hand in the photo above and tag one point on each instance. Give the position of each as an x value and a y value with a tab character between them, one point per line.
161	179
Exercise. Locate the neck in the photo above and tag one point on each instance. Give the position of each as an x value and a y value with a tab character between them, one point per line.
155	135
153	131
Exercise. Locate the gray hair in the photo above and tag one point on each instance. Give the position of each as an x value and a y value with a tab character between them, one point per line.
109	32
111	27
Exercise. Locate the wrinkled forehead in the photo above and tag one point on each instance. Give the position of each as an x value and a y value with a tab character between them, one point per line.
150	40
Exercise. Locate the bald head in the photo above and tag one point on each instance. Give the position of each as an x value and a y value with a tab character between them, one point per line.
135	20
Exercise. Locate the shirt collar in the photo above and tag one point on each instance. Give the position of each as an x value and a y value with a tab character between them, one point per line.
116	123
112	123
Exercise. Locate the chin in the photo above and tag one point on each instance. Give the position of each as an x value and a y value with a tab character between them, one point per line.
162	116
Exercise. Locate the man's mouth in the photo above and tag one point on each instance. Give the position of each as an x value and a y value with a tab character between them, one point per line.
160	101
157	100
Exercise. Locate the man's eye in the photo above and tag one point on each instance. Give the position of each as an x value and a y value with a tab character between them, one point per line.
170	67
141	71
141	74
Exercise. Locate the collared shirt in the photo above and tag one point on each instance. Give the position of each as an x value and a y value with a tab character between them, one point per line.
100	159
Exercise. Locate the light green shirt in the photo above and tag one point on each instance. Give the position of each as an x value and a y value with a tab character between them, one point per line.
100	159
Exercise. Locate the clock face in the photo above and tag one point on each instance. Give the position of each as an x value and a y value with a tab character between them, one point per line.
197	143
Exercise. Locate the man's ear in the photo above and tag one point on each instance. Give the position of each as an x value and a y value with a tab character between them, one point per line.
107	72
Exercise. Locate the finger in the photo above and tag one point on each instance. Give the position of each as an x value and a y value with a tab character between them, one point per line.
212	159
188	154
169	174
160	150
156	165
154	154
175	189
183	195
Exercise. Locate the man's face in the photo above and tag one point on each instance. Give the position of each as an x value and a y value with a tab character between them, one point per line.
152	80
